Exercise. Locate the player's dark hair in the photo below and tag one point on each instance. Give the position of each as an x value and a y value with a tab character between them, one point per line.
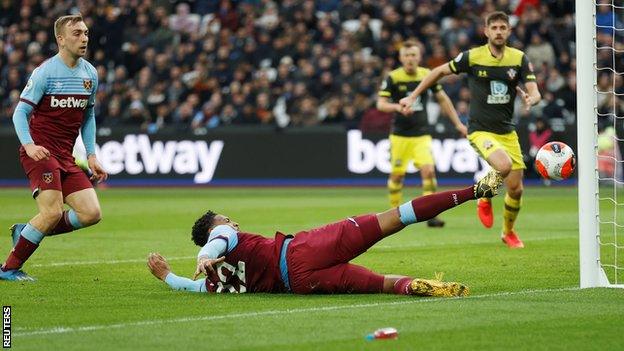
496	16
199	234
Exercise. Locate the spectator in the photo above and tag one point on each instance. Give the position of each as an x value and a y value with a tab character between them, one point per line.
183	21
540	52
264	108
205	118
136	115
305	113
183	115
539	136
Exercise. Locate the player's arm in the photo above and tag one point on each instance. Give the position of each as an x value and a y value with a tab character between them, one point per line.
88	138
20	123
222	240
532	95
384	101
29	98
459	64
449	110
430	79
160	269
385	105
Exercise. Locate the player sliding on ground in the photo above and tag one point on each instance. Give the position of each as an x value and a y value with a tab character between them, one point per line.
314	261
494	73
60	96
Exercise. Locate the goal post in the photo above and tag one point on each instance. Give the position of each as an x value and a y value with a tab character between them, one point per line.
592	273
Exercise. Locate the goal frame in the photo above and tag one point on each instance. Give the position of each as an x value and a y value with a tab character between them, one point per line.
591	271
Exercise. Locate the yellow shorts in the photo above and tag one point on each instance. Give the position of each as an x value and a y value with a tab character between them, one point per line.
485	143
406	149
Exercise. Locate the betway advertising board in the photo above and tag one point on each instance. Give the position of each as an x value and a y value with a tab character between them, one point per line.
244	158
137	155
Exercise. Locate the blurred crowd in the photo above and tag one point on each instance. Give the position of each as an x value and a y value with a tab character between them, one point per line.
196	65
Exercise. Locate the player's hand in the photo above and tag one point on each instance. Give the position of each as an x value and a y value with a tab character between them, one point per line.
37	152
158	266
406	104
462	129
206	266
399	109
527	99
99	173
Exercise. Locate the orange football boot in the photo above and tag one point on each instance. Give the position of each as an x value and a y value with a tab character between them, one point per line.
486	215
512	240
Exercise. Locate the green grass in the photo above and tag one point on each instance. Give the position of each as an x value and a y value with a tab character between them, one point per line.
94	291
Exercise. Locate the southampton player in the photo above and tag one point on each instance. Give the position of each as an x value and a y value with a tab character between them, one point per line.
315	261
494	72
59	95
410	138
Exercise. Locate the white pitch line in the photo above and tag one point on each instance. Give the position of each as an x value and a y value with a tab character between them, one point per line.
79	263
89	328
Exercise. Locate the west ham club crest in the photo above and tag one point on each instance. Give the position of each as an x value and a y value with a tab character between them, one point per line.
48	177
87	84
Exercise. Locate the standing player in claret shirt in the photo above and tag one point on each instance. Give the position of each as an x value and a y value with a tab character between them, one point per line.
410	139
494	73
55	105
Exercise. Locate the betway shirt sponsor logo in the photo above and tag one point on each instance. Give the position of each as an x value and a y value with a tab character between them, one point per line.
68	102
137	155
457	155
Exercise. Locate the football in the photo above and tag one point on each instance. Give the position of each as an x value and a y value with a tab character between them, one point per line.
555	160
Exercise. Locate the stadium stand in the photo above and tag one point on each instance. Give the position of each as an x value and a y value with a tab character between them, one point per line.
197	65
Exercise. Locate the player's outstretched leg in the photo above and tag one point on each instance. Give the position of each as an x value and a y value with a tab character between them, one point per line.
342	241
426	207
353	279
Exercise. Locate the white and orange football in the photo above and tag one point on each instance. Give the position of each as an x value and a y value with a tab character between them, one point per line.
555	160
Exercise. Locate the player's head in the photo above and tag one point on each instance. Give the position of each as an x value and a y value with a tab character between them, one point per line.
409	55
204	224
72	35
497	28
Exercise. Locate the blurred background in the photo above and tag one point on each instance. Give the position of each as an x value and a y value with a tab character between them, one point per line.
199	68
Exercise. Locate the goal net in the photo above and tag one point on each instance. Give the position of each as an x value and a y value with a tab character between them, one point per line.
600	121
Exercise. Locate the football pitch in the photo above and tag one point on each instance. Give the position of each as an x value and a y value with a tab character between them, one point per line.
94	290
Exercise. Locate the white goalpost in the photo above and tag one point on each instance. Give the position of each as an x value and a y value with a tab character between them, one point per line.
598	236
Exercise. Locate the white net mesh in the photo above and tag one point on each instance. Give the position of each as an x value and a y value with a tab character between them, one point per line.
609	87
